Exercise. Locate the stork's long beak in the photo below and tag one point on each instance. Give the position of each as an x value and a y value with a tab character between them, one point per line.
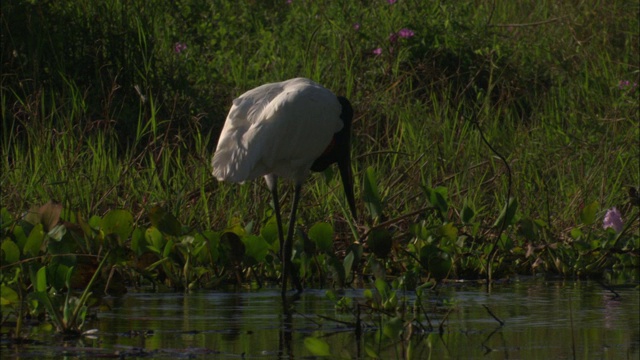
344	164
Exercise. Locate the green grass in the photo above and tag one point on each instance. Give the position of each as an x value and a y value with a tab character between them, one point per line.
100	113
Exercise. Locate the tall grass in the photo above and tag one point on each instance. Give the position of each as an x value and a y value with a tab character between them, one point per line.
99	111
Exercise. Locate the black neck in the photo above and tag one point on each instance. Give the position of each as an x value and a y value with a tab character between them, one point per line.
340	147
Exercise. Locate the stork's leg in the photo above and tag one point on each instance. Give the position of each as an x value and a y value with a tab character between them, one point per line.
272	184
288	245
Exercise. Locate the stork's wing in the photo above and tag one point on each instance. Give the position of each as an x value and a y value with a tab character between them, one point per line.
278	128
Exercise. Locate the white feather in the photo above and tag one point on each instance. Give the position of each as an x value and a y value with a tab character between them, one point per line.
278	128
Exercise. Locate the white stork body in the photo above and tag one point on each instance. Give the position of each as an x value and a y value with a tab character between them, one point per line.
278	128
286	129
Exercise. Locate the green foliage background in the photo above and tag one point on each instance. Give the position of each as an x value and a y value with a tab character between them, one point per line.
100	112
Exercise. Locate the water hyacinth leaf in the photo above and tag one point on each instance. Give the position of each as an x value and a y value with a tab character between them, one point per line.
168	248
372	198
5	218
505	243
119	222
581	245
256	247
382	287
449	231
331	295
165	221
43	298
237	229
437	198
419	231
11	252
528	229
270	232
95	222
197	248
41	280
138	242
576	233
317	347
32	216
508	214
393	328
467	214
392	302
8	296
380	242
367	294
322	235
58	274
371	352
232	247
212	240
21	231
34	241
588	213
437	262
154	239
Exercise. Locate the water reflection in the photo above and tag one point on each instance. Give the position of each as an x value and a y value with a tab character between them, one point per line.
541	319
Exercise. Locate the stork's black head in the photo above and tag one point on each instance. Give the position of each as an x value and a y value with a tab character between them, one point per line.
339	151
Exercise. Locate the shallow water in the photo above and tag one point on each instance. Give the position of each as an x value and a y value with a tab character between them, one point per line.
556	320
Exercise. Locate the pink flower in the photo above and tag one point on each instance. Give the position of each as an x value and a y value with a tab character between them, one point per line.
377	51
623	84
356	26
406	33
393	37
613	219
179	47
392	1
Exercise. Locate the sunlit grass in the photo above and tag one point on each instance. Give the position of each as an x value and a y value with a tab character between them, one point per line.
101	118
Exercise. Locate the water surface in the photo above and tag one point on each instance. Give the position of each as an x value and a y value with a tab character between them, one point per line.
554	320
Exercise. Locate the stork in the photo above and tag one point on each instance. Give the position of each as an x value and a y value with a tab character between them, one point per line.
286	129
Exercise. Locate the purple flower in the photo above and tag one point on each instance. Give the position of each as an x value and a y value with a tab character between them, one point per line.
393	37
179	47
622	84
406	33
613	219
377	51
356	26
392	1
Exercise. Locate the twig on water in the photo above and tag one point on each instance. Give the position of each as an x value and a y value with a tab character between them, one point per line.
493	315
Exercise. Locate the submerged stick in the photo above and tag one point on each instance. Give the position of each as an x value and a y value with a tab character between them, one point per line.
493	315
